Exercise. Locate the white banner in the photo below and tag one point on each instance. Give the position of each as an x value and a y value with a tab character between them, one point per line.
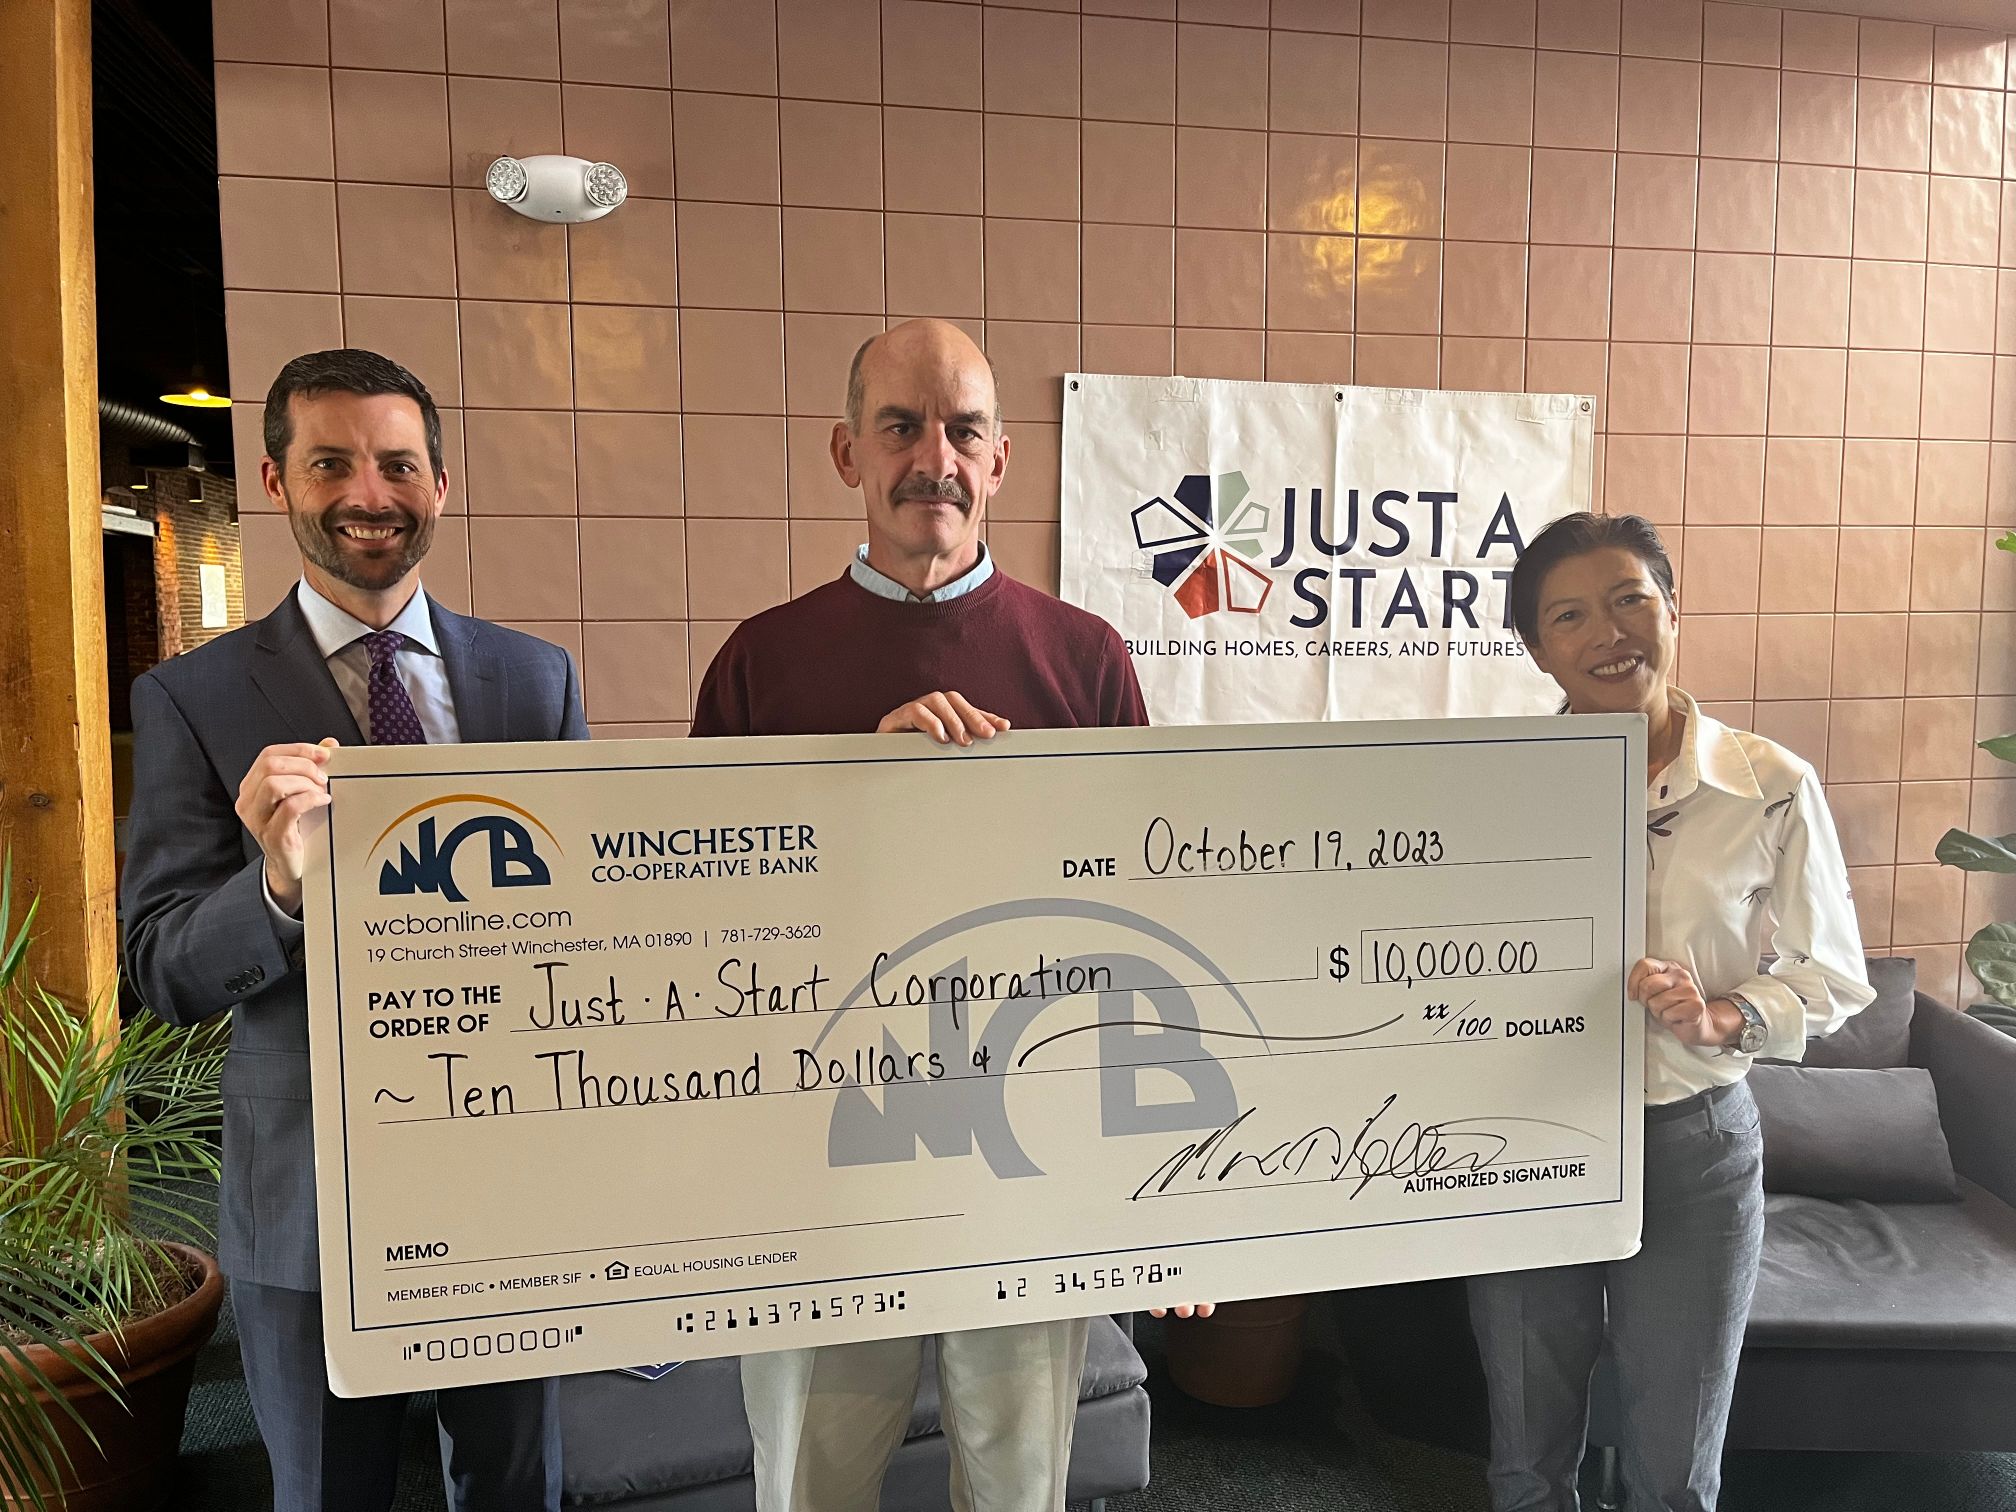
1287	551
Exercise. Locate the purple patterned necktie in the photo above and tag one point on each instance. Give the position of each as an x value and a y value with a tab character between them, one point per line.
393	718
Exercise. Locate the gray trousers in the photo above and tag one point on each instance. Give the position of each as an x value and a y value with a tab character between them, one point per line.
827	1420
1674	1313
341	1454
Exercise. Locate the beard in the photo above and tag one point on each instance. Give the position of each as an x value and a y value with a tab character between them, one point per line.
316	536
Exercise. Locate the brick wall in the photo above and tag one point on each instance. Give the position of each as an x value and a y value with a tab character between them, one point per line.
192	531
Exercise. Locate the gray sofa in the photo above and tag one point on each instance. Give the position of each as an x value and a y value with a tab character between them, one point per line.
1892	1325
681	1444
1876	1325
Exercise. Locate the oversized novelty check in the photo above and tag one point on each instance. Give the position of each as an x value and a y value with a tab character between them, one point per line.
656	1050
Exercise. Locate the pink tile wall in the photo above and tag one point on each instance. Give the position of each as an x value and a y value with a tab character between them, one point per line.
1780	246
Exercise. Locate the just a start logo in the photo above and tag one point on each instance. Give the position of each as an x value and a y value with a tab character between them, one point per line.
1198	543
425	862
1384	559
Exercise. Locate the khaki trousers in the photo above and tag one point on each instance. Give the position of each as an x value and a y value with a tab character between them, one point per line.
827	1420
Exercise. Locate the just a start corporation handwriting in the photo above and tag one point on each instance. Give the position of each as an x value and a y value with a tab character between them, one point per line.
677	1029
747	986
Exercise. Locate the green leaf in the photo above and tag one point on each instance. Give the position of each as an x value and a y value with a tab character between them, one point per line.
31	1453
2007	543
14	950
1972	853
86	1193
1991	956
2002	747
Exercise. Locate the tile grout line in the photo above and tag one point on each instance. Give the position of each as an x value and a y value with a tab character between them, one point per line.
1266	330
573	367
783	327
679	376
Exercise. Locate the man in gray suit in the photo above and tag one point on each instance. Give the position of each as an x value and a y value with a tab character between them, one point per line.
230	743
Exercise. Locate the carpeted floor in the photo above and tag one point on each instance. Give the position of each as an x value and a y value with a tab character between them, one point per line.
1317	1450
224	1464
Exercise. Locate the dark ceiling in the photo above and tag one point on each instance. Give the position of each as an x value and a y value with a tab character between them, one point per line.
160	267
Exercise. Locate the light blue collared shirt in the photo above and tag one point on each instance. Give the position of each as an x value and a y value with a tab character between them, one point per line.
339	635
883	586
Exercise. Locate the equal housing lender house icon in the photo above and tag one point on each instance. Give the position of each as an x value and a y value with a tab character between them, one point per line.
1201	542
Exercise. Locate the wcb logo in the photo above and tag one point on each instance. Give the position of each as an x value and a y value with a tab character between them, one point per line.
426	861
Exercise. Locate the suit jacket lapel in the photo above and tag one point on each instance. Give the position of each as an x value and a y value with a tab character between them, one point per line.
290	672
475	677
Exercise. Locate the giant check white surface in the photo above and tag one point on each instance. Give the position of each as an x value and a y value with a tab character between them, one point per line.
655	1050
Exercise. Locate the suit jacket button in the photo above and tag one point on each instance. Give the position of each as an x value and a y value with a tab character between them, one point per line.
254	975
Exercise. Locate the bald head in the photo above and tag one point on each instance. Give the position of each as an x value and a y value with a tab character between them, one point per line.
923	348
923	442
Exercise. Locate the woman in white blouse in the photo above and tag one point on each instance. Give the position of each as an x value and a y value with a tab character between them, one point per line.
1742	862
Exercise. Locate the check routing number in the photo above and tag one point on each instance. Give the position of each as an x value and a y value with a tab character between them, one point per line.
658	1050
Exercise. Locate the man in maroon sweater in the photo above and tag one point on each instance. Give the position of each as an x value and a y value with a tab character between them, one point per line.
921	631
922	607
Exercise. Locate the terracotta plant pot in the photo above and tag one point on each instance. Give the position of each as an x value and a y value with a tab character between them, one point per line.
1246	1354
132	1469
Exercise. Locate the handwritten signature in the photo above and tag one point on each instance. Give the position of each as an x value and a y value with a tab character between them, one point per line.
1377	1149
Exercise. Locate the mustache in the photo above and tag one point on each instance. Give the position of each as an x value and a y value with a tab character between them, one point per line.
949	490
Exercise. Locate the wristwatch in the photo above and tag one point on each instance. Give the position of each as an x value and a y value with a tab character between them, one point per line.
1751	1040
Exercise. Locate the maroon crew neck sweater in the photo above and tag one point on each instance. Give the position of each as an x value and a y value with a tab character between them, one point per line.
835	660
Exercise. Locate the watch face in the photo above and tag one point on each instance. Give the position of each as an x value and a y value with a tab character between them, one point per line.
1752	1040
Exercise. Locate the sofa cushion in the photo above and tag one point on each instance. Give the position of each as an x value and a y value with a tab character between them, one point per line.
625	1437
1848	1275
1880	1035
1868	1134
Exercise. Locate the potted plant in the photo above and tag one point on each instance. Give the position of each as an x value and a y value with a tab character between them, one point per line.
1991	954
106	1143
